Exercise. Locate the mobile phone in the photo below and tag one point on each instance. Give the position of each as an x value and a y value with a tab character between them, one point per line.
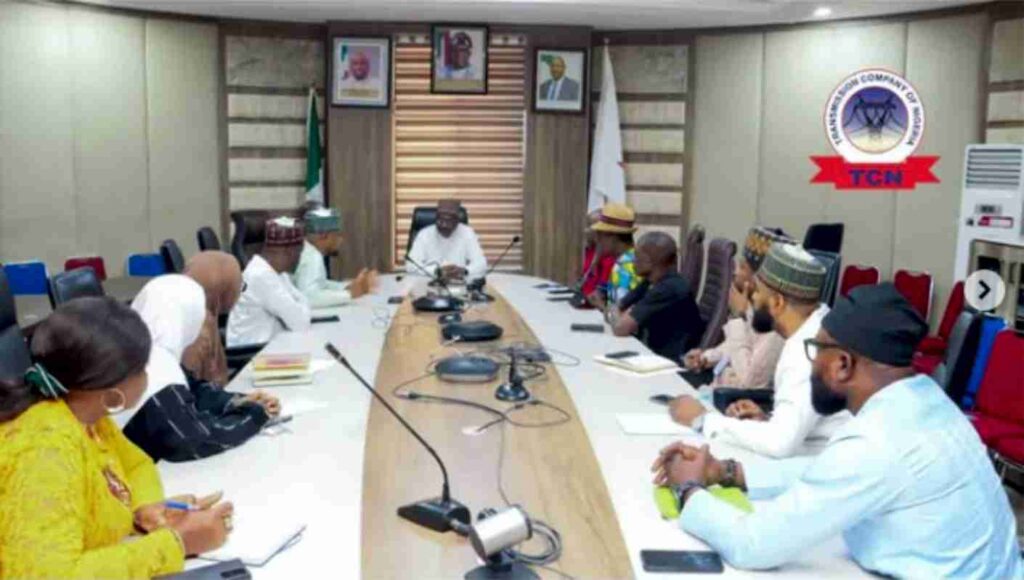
558	291
319	319
681	561
662	399
396	299
559	298
621	354
598	328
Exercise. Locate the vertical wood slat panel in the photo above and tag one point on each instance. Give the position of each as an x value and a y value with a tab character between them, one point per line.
467	147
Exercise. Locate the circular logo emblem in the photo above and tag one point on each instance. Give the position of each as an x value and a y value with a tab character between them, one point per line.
874	116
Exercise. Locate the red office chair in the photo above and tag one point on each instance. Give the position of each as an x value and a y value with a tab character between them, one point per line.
931	350
917	288
94	262
854	275
999	412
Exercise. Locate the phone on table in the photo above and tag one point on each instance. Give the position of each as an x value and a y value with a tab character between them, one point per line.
681	561
559	298
621	354
598	328
662	399
396	299
320	319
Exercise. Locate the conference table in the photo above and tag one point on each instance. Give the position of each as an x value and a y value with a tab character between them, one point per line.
342	465
33	308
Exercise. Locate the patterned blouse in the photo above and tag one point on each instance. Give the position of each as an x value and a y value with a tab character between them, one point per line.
624	277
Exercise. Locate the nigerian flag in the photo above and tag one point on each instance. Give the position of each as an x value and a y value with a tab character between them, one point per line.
314	154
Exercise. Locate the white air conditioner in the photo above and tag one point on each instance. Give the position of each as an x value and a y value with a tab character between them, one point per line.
992	203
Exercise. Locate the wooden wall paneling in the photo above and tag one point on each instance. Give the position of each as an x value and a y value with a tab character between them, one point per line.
557	162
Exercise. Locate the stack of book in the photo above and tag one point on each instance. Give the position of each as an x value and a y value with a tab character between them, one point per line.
641	364
278	370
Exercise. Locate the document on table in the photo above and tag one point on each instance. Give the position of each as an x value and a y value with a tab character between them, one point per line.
651	424
258	535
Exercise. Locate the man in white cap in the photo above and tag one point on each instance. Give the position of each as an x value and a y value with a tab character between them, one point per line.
324	239
270	302
449	246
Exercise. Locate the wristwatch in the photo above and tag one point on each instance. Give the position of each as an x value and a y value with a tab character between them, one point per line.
681	489
698	423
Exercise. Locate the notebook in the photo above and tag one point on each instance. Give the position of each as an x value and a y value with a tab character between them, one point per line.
641	364
258	536
278	370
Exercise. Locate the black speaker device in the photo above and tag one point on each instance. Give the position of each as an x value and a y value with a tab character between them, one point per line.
466	369
437	304
471	331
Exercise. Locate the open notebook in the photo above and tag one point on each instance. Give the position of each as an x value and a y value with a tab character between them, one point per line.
641	364
258	536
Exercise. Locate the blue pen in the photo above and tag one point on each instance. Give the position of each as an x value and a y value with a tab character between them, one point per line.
178	505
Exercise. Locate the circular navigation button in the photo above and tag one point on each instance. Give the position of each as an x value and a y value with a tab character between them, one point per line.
984	290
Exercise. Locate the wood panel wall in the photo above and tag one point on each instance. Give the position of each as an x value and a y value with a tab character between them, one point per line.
1004	121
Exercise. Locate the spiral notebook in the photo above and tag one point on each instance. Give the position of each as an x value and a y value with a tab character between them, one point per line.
258	536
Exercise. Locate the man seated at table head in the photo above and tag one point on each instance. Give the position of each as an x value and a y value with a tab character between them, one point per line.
614	230
907	481
270	302
787	288
324	239
747	357
661	311
449	246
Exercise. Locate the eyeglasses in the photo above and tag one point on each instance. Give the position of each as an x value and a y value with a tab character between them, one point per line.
812	347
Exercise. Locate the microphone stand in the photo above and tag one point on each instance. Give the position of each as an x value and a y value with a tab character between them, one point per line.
477	286
439	514
437	303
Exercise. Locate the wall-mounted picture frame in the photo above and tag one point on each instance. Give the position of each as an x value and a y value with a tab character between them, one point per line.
361	71
559	79
458	60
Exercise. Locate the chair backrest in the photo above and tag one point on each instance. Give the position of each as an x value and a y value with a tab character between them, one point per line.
207	239
692	266
74	284
146	265
825	237
94	262
27	278
855	275
991	326
832	262
427	216
957	350
917	288
174	261
1001	392
714	300
14	353
954	306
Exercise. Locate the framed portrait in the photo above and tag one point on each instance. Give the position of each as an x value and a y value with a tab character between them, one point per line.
361	72
458	61
560	80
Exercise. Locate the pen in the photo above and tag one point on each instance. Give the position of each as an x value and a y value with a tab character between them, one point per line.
179	505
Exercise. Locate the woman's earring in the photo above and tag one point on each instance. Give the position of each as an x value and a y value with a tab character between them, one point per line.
115	409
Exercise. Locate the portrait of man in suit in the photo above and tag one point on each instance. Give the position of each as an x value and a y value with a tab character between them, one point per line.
559	87
560	80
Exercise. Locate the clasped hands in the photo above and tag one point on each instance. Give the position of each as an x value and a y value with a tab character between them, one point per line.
202	528
679	463
364	283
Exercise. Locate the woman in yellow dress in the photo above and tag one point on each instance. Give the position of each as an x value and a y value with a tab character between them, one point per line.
77	499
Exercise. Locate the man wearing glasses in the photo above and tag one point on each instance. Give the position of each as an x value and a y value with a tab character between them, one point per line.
448	246
906	481
787	289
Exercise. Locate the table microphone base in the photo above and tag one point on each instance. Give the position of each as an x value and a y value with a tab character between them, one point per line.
435	514
512	392
502	567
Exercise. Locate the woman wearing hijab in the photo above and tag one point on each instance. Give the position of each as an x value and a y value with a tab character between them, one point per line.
221	278
183	418
77	499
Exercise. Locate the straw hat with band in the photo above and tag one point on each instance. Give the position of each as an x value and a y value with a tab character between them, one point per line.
616	218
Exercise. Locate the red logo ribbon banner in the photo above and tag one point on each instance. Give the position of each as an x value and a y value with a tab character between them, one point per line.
904	175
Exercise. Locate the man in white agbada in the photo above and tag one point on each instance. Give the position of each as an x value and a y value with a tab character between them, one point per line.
324	239
270	302
449	245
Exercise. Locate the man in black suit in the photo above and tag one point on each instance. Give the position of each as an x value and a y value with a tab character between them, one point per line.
559	87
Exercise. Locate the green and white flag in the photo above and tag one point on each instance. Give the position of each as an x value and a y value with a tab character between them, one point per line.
314	155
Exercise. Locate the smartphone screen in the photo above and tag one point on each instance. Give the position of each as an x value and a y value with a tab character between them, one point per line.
679	561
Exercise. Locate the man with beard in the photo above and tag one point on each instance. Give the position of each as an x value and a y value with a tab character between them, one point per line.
323	239
787	290
907	481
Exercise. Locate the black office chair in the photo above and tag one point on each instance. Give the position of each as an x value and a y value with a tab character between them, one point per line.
174	261
77	283
207	239
833	264
692	266
958	349
14	353
714	300
825	237
427	216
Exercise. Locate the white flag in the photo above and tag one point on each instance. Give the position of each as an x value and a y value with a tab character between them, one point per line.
607	177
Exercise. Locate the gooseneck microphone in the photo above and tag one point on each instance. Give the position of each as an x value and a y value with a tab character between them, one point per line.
447	303
477	285
435	277
437	514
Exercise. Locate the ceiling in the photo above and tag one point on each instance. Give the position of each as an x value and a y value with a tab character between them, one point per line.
601	14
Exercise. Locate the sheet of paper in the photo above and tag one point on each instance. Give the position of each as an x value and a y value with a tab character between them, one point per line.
258	535
631	374
299	406
651	424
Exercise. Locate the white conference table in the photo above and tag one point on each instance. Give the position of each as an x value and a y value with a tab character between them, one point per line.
314	471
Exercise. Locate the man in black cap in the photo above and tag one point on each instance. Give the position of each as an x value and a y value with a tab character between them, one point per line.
907	481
